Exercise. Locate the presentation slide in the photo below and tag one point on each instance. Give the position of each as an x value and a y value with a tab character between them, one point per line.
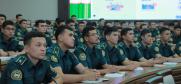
126	9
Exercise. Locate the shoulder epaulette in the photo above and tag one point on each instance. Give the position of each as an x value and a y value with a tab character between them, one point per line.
121	44
82	46
101	46
21	60
138	45
180	42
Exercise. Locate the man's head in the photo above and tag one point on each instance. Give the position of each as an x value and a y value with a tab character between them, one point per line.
153	25
74	18
101	22
23	23
19	17
65	36
127	35
2	19
138	24
35	45
59	22
165	34
112	35
146	36
177	30
8	29
90	36
81	26
109	24
143	26
41	26
70	23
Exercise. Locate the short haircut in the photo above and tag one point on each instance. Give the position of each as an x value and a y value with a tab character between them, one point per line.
28	37
91	24
2	15
39	21
100	19
69	21
73	16
48	22
86	30
163	29
141	26
7	22
22	21
18	15
177	27
110	30
124	31
58	20
145	31
60	30
81	22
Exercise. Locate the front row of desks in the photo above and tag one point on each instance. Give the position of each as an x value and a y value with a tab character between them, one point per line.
123	77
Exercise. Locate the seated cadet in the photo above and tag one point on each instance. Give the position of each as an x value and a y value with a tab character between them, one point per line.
78	37
89	55
61	56
71	24
112	54
49	28
176	35
41	26
130	49
21	30
164	47
8	44
178	49
154	30
32	67
2	19
58	22
19	17
146	49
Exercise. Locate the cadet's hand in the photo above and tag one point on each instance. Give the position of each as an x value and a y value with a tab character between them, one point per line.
92	75
147	64
131	67
2	53
113	69
11	53
158	61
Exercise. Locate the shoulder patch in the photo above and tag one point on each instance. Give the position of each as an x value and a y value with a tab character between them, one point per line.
99	46
138	45
103	53
21	60
16	75
180	48
81	40
121	52
82	46
82	56
135	39
53	58
120	44
156	49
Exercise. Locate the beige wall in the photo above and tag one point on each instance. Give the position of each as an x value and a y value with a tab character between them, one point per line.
31	9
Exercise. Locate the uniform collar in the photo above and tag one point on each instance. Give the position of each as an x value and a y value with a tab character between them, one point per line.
30	65
144	45
61	53
2	39
164	44
109	47
127	46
